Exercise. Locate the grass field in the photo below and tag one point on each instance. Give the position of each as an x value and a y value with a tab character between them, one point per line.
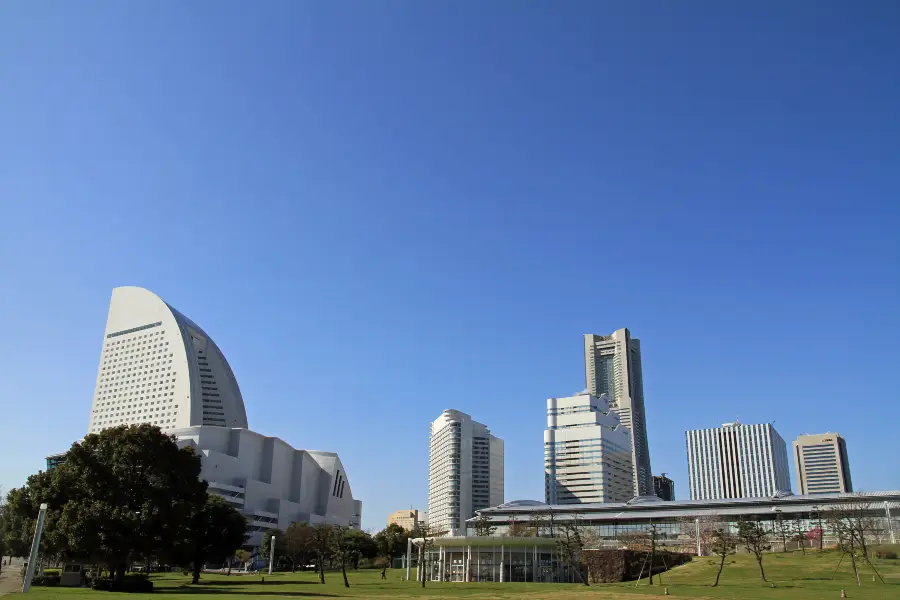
795	577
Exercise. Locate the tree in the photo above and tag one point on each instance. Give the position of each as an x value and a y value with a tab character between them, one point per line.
800	535
519	529
783	529
21	511
690	528
132	494
360	545
2	529
265	546
427	534
297	547
340	549
391	542
570	546
243	556
723	544
215	533
755	539
321	546
483	526
643	541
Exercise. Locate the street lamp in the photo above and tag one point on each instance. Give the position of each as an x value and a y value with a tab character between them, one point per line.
887	509
35	546
271	555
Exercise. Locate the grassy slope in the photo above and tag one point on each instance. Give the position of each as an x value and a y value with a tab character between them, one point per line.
795	576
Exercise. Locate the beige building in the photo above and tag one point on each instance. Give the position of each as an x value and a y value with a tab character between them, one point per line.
612	366
408	519
821	464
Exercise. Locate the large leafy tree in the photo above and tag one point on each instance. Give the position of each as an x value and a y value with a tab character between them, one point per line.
391	542
298	544
21	510
215	532
265	546
359	545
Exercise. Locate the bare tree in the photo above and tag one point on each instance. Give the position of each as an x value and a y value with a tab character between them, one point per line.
852	522
690	527
484	526
321	547
800	534
783	529
570	546
427	533
723	544
339	548
756	540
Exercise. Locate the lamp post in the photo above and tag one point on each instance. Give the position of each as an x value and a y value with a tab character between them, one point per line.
887	509
271	554
699	550
35	547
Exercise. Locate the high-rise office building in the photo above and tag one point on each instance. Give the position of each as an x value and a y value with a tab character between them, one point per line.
157	366
465	471
821	464
664	487
737	461
612	365
587	452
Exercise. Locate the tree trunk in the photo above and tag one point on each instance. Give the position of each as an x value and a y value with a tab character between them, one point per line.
321	562
195	576
119	572
344	573
762	573
422	563
721	566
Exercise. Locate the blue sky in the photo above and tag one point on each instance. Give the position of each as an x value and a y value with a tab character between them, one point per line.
381	210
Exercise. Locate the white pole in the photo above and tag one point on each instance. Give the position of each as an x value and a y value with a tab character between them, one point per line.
699	549
35	547
468	562
408	555
272	555
501	563
887	508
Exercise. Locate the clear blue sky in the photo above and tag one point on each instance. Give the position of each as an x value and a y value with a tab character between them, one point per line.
384	209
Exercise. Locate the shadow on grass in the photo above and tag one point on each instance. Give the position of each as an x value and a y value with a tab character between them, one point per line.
201	589
254	581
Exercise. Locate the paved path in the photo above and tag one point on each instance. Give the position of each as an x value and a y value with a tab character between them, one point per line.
10	580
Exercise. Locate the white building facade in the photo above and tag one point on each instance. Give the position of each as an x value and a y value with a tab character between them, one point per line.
159	367
587	452
612	366
272	483
465	471
737	461
822	465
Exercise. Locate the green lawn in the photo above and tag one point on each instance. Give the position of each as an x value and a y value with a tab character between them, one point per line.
795	577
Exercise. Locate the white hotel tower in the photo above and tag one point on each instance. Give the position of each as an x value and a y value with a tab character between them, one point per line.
737	461
465	471
159	367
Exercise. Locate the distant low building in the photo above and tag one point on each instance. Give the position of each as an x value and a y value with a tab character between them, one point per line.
409	519
664	487
54	460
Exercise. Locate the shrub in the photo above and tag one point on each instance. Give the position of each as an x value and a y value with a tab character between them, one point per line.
131	583
886	554
46	580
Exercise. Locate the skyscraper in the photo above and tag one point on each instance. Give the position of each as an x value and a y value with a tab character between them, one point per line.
587	452
465	471
664	487
737	461
821	464
612	366
157	366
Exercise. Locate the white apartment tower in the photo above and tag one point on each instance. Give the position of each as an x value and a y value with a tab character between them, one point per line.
821	464
587	452
612	365
157	366
465	471
737	461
